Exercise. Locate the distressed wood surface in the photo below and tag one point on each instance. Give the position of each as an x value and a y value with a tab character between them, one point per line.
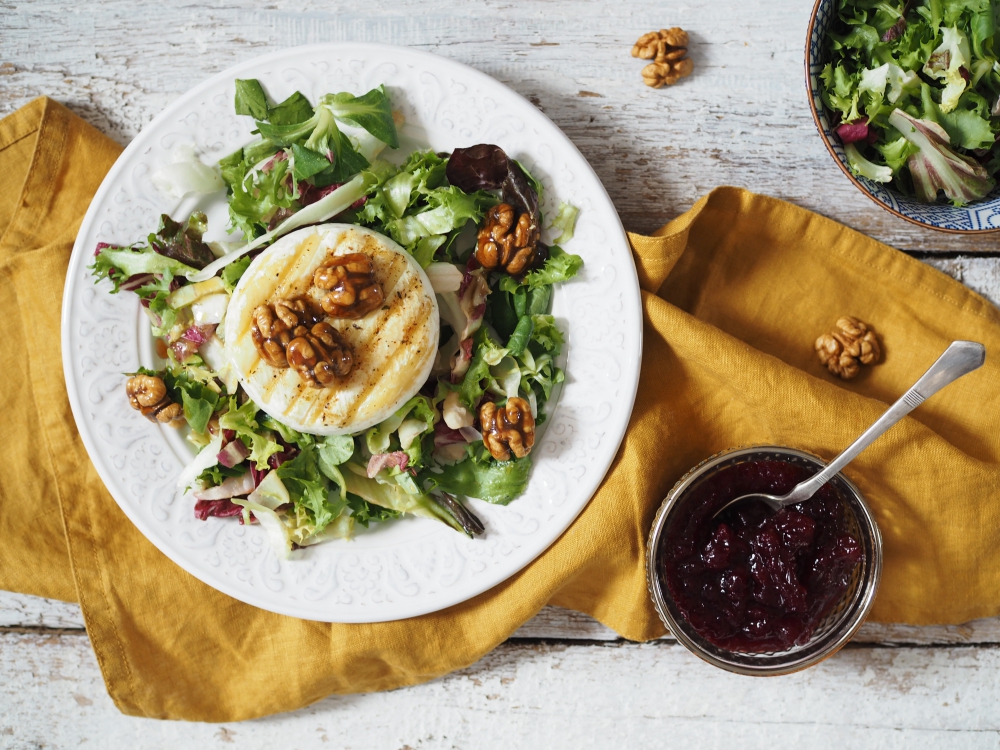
548	695
30	614
564	680
741	119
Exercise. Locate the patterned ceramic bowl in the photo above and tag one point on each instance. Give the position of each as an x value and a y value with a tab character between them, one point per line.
979	217
839	625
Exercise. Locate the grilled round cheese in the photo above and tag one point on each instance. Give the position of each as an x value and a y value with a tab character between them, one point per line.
393	347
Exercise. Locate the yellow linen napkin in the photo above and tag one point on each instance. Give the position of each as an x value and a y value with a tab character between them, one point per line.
735	292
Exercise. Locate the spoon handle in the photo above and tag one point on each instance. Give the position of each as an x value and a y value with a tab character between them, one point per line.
960	358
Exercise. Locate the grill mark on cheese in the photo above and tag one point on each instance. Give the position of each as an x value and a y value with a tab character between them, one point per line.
389	344
292	270
391	357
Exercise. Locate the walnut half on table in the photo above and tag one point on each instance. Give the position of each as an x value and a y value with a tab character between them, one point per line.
844	351
667	49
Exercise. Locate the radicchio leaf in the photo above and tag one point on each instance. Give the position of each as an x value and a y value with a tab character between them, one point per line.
381	461
233	454
269	164
204	509
852	132
936	166
460	361
472	300
199	334
445	435
232	487
184	349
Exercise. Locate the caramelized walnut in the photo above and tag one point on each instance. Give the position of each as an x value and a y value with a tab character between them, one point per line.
507	429
148	394
353	290
276	324
320	356
508	241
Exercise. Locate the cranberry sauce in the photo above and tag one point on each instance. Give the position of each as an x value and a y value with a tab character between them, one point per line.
753	579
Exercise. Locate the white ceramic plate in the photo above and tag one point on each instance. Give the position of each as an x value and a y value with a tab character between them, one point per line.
409	566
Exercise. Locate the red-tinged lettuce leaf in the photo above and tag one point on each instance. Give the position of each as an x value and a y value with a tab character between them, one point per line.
487	167
182	241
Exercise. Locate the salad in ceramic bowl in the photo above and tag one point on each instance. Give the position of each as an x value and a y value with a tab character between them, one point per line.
907	97
376	339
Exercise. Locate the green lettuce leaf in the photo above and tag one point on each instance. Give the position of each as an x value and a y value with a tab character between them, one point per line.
565	222
379	438
968	129
256	196
538	370
310	488
365	513
546	334
118	264
841	91
293	110
232	273
250	99
486	352
560	266
335	449
287	433
394	497
370	111
215	475
198	398
496	482
307	162
242	419
448	208
896	153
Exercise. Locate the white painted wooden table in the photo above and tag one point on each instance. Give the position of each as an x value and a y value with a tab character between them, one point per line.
563	680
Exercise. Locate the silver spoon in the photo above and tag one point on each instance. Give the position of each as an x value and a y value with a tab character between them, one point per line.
960	358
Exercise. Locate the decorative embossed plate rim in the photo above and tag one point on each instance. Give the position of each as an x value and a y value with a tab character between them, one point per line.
411	566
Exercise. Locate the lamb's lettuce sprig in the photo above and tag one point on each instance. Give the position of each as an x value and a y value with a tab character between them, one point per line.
301	149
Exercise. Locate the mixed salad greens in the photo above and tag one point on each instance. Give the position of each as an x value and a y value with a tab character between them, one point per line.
914	86
313	164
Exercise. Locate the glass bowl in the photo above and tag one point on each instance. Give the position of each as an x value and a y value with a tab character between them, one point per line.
839	625
979	217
